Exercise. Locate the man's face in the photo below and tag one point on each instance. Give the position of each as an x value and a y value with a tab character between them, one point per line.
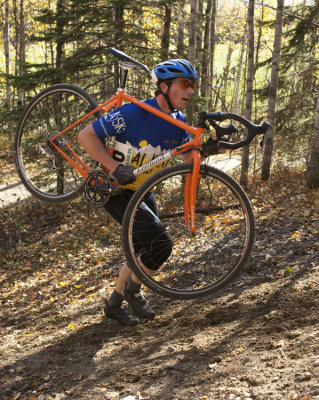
180	92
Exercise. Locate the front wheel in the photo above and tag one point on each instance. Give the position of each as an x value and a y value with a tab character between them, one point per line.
197	265
43	171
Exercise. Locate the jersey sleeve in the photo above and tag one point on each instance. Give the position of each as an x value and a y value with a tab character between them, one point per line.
115	122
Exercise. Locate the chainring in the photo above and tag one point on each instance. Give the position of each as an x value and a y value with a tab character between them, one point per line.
97	188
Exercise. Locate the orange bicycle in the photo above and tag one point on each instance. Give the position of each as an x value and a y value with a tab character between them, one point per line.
206	212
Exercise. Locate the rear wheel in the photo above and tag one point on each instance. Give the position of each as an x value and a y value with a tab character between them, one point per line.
202	264
43	171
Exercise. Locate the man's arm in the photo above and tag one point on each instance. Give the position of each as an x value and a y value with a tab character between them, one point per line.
95	148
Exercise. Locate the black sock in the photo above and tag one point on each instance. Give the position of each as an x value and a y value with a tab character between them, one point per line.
115	300
131	286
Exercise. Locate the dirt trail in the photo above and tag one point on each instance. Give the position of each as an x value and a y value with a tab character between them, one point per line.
257	339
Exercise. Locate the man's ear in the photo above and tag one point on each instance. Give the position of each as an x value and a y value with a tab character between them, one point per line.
164	87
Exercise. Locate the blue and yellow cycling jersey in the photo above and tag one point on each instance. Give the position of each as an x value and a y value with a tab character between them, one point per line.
140	136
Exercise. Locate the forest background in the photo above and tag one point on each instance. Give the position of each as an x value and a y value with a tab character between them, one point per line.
256	339
258	59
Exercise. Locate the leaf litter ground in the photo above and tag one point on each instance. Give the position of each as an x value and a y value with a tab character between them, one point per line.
256	339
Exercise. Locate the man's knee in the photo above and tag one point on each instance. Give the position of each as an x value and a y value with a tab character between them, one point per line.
158	251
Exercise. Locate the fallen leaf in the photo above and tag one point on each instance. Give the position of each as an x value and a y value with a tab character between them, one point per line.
141	395
278	344
296	234
71	326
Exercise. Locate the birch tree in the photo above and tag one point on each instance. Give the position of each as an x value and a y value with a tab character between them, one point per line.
21	50
192	47
206	73
235	102
7	52
212	49
249	90
273	89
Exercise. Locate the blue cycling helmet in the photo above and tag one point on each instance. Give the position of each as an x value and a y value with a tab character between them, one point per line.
171	69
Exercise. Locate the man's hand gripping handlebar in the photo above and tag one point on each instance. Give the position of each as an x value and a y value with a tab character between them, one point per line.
223	133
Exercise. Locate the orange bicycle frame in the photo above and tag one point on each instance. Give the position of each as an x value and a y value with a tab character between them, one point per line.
191	179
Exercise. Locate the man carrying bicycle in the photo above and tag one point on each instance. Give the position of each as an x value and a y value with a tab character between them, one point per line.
141	136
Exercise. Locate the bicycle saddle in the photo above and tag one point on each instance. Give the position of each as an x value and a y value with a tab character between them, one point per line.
123	57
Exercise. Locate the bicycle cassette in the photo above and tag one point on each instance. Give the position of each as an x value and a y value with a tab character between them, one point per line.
97	188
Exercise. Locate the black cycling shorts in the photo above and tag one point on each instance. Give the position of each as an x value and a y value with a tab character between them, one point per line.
151	240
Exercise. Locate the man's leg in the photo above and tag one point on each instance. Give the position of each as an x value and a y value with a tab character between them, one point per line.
132	293
128	287
113	306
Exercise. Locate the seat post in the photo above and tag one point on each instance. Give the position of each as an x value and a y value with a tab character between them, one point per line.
124	78
125	67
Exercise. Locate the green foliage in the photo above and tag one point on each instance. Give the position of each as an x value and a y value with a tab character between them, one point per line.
297	84
68	44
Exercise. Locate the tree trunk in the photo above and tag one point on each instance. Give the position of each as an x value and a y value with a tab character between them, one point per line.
21	50
14	41
166	31
58	79
6	29
212	50
313	163
249	92
59	39
118	23
273	89
180	30
225	76
192	47
198	50
192	32
199	37
206	74
235	106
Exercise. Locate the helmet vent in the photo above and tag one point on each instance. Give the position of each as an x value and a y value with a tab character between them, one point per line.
175	70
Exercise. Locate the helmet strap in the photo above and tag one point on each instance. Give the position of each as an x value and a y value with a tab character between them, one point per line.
168	101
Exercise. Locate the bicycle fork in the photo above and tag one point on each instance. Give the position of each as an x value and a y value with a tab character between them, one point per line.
190	193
